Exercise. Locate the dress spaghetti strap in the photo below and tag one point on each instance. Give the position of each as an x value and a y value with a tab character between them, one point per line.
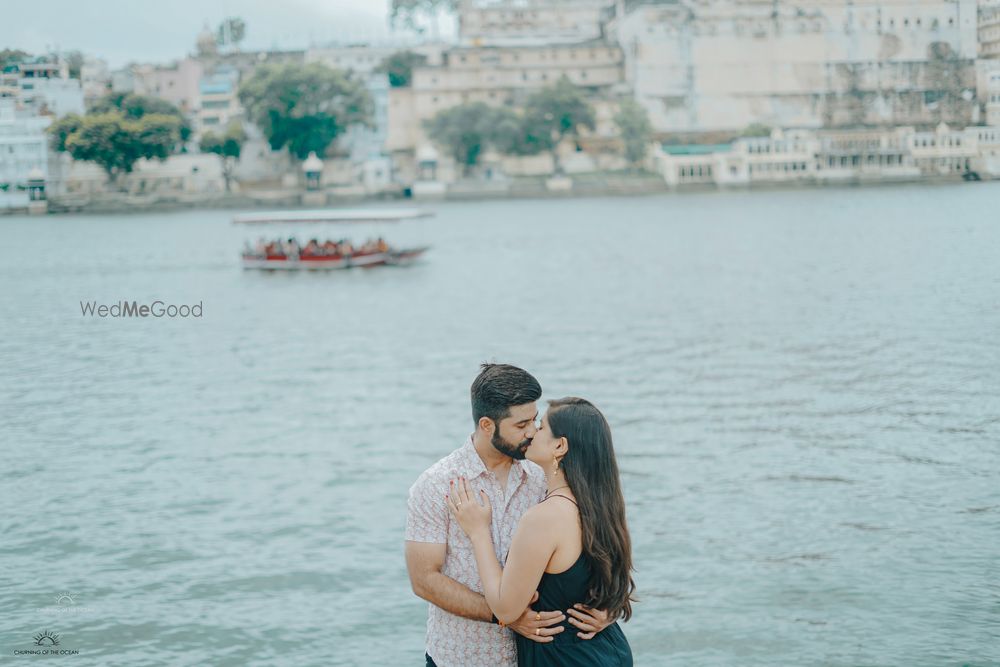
566	497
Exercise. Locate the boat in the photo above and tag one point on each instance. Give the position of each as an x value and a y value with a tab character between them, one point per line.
336	215
281	256
392	257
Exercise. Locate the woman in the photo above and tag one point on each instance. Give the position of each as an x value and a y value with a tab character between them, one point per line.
573	546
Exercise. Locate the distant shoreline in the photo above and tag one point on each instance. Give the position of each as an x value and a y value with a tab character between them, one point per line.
122	204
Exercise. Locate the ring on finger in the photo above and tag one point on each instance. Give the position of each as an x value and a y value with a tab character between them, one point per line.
537	632
538	616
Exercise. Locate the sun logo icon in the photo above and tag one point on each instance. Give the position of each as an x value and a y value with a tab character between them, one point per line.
65	600
46	639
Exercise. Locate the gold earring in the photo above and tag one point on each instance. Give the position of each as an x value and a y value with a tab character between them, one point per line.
555	466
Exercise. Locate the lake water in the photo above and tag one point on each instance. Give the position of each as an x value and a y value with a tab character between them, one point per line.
804	388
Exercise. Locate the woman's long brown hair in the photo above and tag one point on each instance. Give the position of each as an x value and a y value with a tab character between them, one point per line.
592	474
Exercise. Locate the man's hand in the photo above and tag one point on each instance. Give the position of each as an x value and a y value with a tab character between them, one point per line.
589	621
535	624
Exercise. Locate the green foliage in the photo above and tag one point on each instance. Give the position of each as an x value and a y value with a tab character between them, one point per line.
635	129
135	107
756	130
551	114
468	129
399	66
408	10
11	57
554	113
304	107
232	31
557	111
62	129
75	61
229	144
114	141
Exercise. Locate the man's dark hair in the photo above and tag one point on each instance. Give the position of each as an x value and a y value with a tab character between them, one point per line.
498	388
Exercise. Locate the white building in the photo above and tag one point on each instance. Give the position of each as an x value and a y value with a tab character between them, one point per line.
44	88
499	76
95	79
362	59
531	22
23	150
177	83
218	103
701	65
56	97
834	156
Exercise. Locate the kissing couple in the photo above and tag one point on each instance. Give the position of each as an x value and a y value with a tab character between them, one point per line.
518	538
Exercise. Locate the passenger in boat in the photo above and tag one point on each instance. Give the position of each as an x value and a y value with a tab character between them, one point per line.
311	249
382	245
330	248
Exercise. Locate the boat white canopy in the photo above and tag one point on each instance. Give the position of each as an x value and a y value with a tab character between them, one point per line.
333	215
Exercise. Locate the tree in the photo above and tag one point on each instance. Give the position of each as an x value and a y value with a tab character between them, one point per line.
231	32
114	141
636	132
554	113
409	10
304	107
399	66
756	130
135	107
227	146
468	129
11	57
74	59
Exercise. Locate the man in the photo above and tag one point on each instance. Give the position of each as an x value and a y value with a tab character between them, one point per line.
461	629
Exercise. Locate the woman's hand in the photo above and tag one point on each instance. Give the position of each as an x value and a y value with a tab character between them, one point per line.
472	516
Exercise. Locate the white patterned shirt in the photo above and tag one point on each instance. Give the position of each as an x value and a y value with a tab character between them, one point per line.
453	641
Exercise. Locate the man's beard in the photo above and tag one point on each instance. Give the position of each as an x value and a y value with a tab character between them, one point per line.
515	452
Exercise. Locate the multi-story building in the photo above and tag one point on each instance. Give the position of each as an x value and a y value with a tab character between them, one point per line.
361	59
833	156
95	79
177	83
700	65
218	99
526	22
988	65
23	152
988	28
43	88
497	75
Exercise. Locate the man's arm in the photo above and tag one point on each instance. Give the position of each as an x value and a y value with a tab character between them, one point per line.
424	561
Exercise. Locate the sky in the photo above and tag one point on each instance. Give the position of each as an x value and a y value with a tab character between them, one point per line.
123	31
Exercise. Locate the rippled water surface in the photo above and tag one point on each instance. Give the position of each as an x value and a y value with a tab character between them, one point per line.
804	388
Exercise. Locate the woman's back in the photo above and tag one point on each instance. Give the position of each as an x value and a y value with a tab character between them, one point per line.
559	591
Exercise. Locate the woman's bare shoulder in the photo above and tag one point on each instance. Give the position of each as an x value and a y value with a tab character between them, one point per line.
551	510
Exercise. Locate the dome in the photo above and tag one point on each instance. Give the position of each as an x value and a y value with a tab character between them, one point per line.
206	41
427	153
312	163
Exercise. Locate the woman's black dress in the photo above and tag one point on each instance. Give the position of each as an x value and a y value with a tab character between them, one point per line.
559	592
